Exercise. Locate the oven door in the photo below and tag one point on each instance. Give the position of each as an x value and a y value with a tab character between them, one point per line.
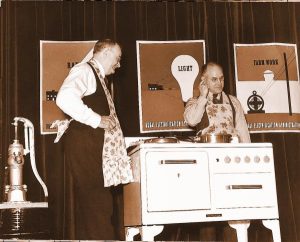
177	180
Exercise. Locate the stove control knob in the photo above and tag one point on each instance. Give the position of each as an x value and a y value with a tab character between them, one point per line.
256	159
247	159
266	158
227	159
237	159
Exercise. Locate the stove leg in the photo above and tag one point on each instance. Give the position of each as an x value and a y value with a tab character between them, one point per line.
241	229
131	232
148	232
273	224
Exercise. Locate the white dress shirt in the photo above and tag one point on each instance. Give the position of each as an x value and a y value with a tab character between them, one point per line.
79	83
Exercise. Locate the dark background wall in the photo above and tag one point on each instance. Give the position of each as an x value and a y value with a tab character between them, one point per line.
24	23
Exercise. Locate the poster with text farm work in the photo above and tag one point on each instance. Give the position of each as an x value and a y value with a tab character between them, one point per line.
267	85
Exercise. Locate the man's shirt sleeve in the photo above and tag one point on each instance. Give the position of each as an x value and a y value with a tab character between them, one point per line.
79	83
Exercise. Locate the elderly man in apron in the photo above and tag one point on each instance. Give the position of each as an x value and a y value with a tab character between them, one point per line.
95	151
215	112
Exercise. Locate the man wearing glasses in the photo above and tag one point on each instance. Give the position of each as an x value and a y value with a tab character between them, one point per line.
94	146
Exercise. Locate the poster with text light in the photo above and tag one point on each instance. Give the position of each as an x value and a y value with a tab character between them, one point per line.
267	85
56	60
168	75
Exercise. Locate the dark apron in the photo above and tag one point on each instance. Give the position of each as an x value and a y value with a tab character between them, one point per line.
83	155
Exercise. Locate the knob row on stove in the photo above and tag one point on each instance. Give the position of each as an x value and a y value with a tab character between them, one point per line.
247	159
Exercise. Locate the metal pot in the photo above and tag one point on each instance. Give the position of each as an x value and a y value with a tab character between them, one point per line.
214	138
162	140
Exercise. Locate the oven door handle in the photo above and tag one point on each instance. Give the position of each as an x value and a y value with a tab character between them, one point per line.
175	162
236	187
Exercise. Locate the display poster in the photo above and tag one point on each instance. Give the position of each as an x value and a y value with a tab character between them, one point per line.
168	75
267	85
56	60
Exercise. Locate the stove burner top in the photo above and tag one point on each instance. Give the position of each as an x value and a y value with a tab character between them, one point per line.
208	138
162	140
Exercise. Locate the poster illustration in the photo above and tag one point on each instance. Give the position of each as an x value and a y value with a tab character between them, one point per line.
56	60
168	75
267	85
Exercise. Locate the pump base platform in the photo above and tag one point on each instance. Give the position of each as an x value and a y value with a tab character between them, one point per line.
24	220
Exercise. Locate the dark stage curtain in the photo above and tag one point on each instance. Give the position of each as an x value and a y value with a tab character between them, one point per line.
25	23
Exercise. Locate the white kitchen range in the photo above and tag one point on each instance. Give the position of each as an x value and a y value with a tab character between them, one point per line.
187	182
